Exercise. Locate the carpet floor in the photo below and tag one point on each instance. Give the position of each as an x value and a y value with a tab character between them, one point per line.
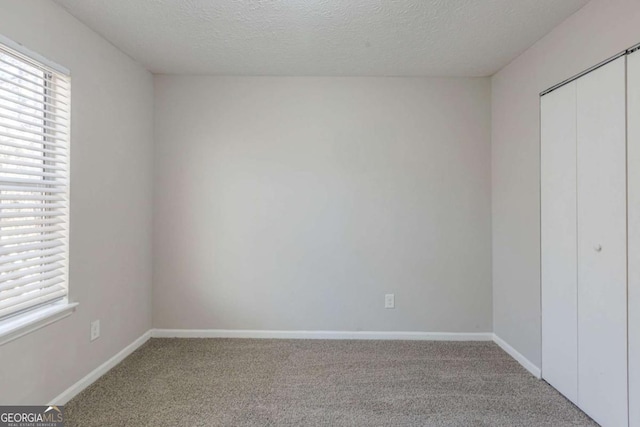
246	382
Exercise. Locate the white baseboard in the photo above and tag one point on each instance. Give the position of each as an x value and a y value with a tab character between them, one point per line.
92	376
321	335
526	363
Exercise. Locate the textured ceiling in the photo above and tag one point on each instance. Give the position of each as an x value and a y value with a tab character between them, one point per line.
323	37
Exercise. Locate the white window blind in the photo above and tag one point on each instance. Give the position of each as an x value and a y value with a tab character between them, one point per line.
34	183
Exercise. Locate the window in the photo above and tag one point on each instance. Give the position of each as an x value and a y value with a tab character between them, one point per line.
34	182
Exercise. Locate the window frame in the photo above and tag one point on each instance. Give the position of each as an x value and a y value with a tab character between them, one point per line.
34	318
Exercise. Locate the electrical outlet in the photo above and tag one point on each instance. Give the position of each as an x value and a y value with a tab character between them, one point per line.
95	330
389	301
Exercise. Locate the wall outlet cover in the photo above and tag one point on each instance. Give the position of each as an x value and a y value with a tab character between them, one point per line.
389	301
95	330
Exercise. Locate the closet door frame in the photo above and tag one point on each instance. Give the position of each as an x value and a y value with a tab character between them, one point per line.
633	215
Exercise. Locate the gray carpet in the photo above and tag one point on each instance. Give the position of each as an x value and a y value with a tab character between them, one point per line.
242	382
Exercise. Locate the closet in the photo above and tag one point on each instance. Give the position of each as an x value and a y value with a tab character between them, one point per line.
590	240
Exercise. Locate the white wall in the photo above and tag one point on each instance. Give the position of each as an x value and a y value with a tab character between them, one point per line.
599	30
297	203
111	190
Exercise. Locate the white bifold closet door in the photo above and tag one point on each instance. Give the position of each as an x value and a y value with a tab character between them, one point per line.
633	161
559	240
602	244
584	241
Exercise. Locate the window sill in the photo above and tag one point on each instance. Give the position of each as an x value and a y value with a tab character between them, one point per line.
32	321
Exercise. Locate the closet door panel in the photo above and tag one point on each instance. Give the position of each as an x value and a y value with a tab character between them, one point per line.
602	248
633	206
559	240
